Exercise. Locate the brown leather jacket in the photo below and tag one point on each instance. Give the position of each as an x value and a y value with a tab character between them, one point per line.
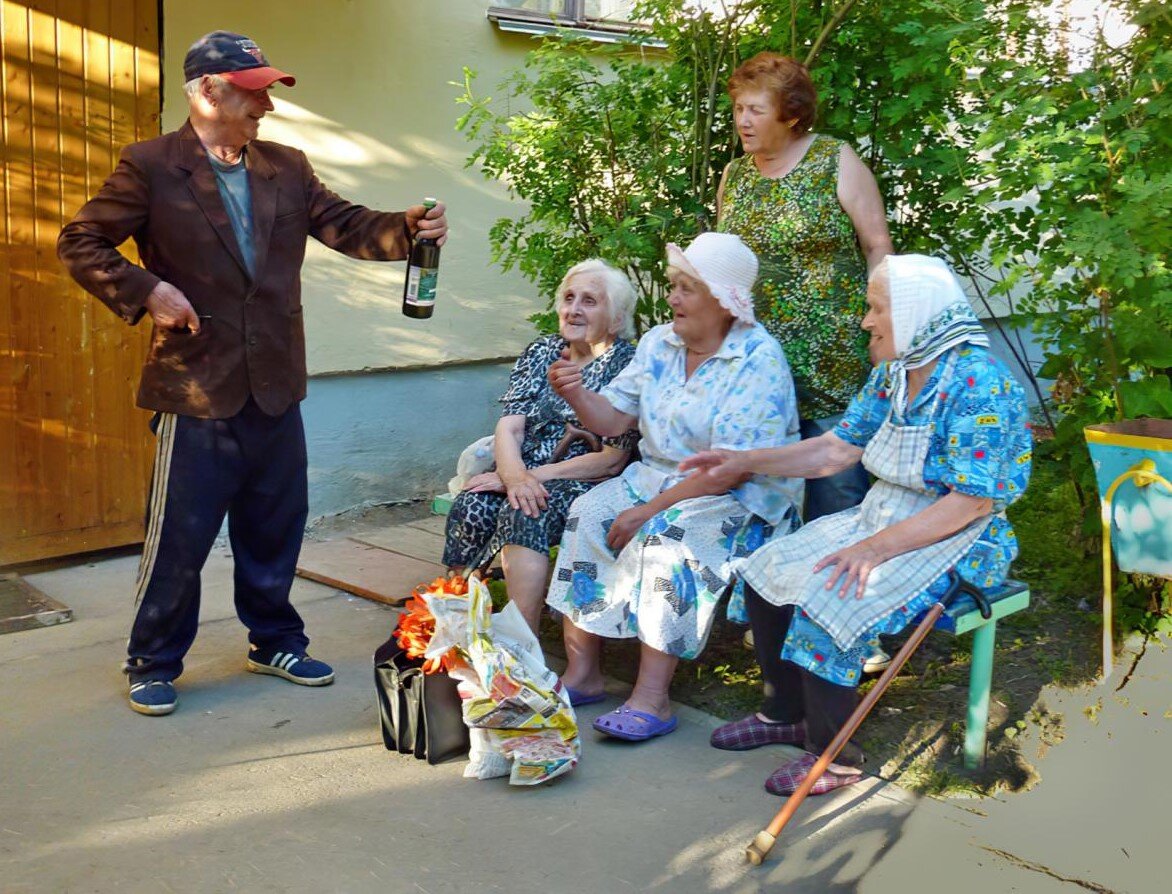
163	194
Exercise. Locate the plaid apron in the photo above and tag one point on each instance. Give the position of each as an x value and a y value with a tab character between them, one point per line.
782	571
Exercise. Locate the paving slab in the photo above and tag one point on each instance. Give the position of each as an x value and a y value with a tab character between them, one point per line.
24	607
1098	819
365	569
406	540
257	784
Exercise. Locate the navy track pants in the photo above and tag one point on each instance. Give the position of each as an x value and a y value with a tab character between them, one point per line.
251	467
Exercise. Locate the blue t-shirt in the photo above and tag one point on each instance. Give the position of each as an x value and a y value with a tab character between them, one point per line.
232	181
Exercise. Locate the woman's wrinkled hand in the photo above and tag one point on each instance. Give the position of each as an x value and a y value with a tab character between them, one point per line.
853	565
565	376
527	494
485	483
626	525
726	468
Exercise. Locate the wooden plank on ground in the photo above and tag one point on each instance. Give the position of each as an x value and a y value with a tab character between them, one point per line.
406	540
24	607
436	524
366	571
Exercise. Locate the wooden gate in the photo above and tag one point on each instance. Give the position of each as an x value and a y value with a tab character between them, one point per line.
80	79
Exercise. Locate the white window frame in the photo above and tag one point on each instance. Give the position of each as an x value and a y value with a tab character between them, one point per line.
570	19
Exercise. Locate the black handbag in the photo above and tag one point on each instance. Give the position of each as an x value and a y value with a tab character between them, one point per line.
420	712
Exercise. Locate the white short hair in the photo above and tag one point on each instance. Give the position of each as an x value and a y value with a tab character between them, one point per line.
620	295
191	88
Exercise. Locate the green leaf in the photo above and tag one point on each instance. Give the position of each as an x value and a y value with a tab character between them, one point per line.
1153	347
1151	396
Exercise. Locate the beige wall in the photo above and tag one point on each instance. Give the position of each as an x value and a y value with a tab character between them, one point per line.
375	113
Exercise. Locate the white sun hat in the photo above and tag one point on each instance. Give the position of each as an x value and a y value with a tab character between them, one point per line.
723	263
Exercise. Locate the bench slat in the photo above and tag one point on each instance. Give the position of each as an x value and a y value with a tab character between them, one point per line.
963	616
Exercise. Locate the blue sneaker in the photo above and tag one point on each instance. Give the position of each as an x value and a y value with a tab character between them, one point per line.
294	667
153	697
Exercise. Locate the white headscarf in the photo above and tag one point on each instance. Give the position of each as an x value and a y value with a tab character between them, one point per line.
930	314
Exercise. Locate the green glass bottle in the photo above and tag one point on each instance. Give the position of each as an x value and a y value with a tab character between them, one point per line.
422	273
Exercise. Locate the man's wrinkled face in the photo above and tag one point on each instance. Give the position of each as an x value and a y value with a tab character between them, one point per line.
239	111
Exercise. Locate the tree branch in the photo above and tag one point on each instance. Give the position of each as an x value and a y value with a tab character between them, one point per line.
828	29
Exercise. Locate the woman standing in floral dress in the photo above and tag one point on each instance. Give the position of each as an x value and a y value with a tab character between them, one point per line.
811	211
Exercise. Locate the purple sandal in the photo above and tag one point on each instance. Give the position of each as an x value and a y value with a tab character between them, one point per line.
634	726
578	699
786	778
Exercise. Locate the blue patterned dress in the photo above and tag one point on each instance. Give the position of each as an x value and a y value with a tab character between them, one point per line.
480	524
664	585
980	445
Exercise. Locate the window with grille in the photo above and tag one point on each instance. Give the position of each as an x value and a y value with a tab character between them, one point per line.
592	17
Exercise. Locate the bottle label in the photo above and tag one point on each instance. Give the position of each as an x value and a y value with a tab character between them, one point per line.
421	285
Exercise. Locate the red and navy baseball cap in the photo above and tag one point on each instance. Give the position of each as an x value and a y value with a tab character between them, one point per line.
235	58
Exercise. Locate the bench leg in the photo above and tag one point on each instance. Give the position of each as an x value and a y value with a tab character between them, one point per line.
980	686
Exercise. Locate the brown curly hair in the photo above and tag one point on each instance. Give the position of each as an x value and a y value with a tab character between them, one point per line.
786	80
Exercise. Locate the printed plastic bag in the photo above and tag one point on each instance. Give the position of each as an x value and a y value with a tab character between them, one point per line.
521	705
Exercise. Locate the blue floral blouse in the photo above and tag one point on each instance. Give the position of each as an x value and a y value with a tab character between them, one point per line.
980	445
740	398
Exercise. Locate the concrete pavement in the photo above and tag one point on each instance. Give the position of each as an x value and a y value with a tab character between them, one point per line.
257	784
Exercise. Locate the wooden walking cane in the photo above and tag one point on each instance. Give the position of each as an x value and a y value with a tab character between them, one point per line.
762	844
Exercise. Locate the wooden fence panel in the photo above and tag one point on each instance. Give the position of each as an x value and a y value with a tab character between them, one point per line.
79	79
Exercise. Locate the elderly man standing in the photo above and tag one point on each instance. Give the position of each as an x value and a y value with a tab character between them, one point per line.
221	221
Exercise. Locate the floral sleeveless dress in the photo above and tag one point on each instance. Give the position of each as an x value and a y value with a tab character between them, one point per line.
811	288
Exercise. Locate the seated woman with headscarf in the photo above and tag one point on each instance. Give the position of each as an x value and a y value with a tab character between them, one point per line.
942	425
649	554
519	508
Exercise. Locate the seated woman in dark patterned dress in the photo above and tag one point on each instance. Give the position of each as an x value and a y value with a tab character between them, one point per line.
519	509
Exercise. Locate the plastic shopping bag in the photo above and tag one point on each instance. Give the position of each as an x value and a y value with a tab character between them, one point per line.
521	703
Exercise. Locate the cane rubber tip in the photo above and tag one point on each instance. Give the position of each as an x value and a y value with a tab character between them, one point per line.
760	847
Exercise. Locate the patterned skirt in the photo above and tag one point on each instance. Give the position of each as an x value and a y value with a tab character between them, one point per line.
481	524
664	585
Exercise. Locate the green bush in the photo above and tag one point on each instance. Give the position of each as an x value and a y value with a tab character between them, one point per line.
1038	166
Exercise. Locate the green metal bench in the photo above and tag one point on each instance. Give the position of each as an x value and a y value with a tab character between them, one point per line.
963	616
